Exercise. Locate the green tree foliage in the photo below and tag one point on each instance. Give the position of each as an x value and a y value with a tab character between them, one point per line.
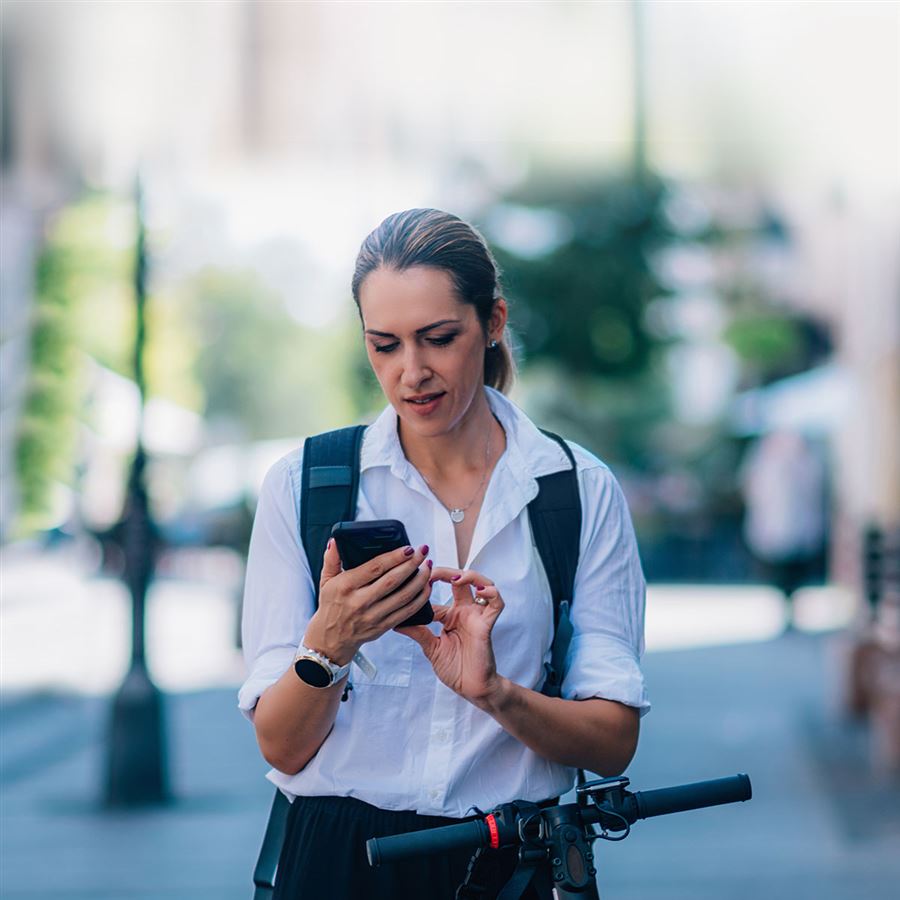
262	374
580	298
46	431
80	309
575	262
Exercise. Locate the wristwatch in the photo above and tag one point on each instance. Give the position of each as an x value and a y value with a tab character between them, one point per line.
316	669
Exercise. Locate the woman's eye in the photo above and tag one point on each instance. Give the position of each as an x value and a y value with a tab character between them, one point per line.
441	341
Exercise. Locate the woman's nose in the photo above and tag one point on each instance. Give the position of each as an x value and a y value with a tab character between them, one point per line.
415	370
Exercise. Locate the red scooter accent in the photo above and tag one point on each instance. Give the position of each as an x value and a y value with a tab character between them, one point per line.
491	823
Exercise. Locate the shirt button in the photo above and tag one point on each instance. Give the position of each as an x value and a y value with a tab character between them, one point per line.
443	735
434	794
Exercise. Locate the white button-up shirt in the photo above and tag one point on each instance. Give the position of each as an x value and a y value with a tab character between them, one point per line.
403	740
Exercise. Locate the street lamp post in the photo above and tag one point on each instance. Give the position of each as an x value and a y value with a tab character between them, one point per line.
136	773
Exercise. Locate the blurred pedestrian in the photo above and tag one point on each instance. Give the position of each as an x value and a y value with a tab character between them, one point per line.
458	721
785	525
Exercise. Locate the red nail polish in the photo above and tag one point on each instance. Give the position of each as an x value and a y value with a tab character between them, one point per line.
423	549
479	587
408	551
430	564
456	577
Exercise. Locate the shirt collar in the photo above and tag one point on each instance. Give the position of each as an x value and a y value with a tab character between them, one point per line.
528	451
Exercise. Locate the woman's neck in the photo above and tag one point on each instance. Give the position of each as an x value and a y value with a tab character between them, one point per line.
461	450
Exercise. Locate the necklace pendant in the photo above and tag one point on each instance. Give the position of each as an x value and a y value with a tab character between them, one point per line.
457	515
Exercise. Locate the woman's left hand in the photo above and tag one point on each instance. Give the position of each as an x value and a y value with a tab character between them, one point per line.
462	655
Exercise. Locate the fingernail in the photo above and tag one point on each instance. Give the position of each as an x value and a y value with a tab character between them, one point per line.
430	581
456	577
429	563
408	551
423	549
479	587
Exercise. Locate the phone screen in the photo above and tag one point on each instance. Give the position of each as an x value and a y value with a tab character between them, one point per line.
358	542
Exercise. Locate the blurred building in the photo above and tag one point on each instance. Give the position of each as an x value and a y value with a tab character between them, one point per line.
276	134
850	256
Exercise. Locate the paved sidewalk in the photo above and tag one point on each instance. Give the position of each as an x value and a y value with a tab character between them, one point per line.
57	841
820	825
810	831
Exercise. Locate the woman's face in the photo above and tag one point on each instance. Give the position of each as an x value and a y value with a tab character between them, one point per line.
425	345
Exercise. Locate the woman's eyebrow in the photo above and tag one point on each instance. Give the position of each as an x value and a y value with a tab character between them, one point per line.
422	330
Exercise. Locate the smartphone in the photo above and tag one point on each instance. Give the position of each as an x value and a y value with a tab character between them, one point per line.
358	542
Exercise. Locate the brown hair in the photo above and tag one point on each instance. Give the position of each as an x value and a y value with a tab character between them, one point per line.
430	237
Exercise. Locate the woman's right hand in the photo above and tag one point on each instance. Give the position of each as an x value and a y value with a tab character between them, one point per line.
361	604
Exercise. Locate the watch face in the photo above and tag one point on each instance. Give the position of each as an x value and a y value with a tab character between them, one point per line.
312	672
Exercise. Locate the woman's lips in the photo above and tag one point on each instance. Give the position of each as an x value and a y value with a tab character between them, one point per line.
426	406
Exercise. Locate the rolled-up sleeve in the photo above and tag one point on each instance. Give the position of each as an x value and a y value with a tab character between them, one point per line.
608	605
279	599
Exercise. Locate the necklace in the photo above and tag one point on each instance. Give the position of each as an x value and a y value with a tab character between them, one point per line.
458	513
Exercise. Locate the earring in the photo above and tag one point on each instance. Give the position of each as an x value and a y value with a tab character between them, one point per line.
492	345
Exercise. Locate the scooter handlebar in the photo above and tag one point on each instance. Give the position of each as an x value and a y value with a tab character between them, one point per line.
474	833
661	802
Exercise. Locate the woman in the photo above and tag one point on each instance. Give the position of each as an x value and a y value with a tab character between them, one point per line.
457	721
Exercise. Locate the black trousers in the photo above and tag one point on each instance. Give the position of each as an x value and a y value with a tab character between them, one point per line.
324	856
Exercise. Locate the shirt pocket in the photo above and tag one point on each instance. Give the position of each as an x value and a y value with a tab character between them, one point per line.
524	630
392	656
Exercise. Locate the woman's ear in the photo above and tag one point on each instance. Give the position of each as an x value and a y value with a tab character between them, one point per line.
497	321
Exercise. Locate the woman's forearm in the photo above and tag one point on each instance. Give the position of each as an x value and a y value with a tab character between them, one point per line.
293	719
593	734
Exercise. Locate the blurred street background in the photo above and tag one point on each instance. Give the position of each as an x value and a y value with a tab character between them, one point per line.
696	206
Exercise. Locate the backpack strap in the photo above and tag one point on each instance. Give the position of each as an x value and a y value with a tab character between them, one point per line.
329	484
270	851
555	516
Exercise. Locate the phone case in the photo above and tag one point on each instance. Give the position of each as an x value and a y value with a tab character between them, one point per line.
358	542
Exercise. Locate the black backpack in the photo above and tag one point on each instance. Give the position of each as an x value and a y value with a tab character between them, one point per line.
329	485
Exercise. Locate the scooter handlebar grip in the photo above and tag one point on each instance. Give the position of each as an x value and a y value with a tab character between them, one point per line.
465	835
733	789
